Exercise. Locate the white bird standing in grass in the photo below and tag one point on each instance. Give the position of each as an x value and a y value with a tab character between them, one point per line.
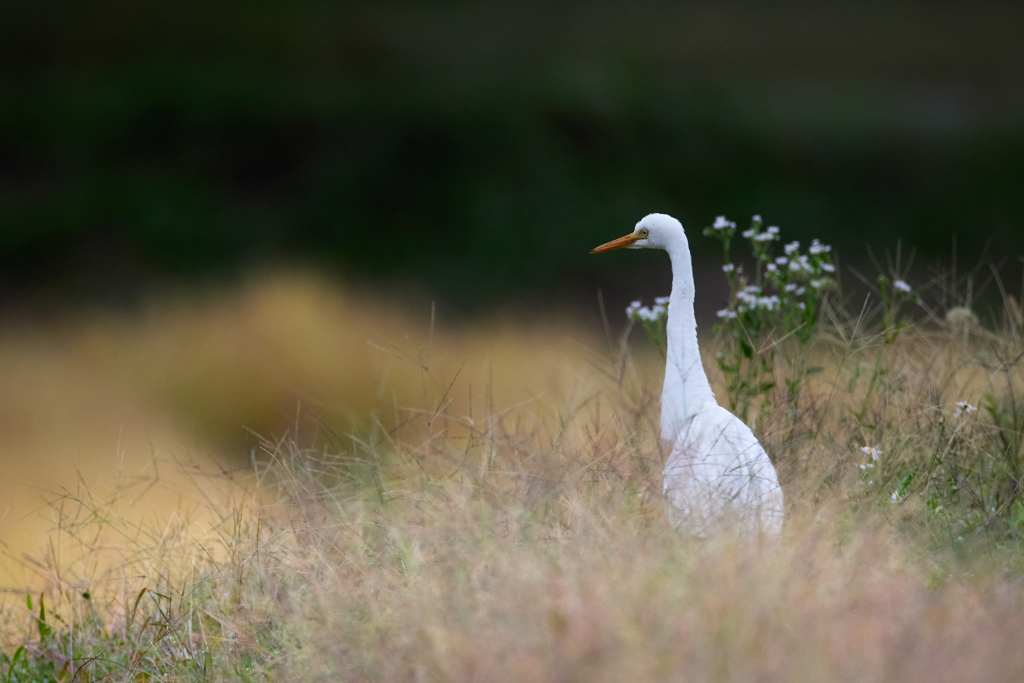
717	472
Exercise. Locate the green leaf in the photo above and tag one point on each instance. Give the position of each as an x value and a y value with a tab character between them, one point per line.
17	653
815	369
44	628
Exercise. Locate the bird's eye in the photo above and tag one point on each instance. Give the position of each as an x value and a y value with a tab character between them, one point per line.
644	232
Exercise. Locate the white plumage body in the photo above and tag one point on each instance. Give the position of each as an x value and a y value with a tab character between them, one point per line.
718	473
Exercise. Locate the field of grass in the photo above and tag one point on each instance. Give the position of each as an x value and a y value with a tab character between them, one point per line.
485	504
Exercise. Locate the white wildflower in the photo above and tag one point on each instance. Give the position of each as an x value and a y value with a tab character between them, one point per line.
772	267
828	267
791	247
964	408
782	260
800	263
896	496
773	230
791	287
815	284
901	286
728	268
764	237
662	300
726	313
872	451
748	233
747	297
800	291
721	223
756	218
818	248
802	305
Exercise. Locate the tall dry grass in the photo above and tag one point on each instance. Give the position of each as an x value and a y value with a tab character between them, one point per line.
521	535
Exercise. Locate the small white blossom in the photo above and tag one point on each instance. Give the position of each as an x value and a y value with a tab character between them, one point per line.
800	291
964	408
728	268
791	287
802	305
752	289
901	286
819	248
791	247
648	314
756	218
661	300
828	267
896	496
721	223
782	260
815	284
748	233
632	309
872	451
772	267
773	230
800	263
726	313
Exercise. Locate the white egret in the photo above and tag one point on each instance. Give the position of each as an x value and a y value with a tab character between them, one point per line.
716	471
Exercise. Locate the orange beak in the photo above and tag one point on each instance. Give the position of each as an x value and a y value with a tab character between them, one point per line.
617	244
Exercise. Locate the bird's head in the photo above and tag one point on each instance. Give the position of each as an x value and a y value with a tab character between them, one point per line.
654	231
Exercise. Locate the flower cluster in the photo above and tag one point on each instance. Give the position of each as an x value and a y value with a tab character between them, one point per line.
818	248
796	278
750	298
637	312
653	320
778	299
721	223
767	236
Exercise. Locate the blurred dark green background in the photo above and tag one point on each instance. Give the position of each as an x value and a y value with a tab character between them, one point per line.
477	151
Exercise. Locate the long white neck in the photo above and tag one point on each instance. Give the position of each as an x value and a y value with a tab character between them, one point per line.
686	390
